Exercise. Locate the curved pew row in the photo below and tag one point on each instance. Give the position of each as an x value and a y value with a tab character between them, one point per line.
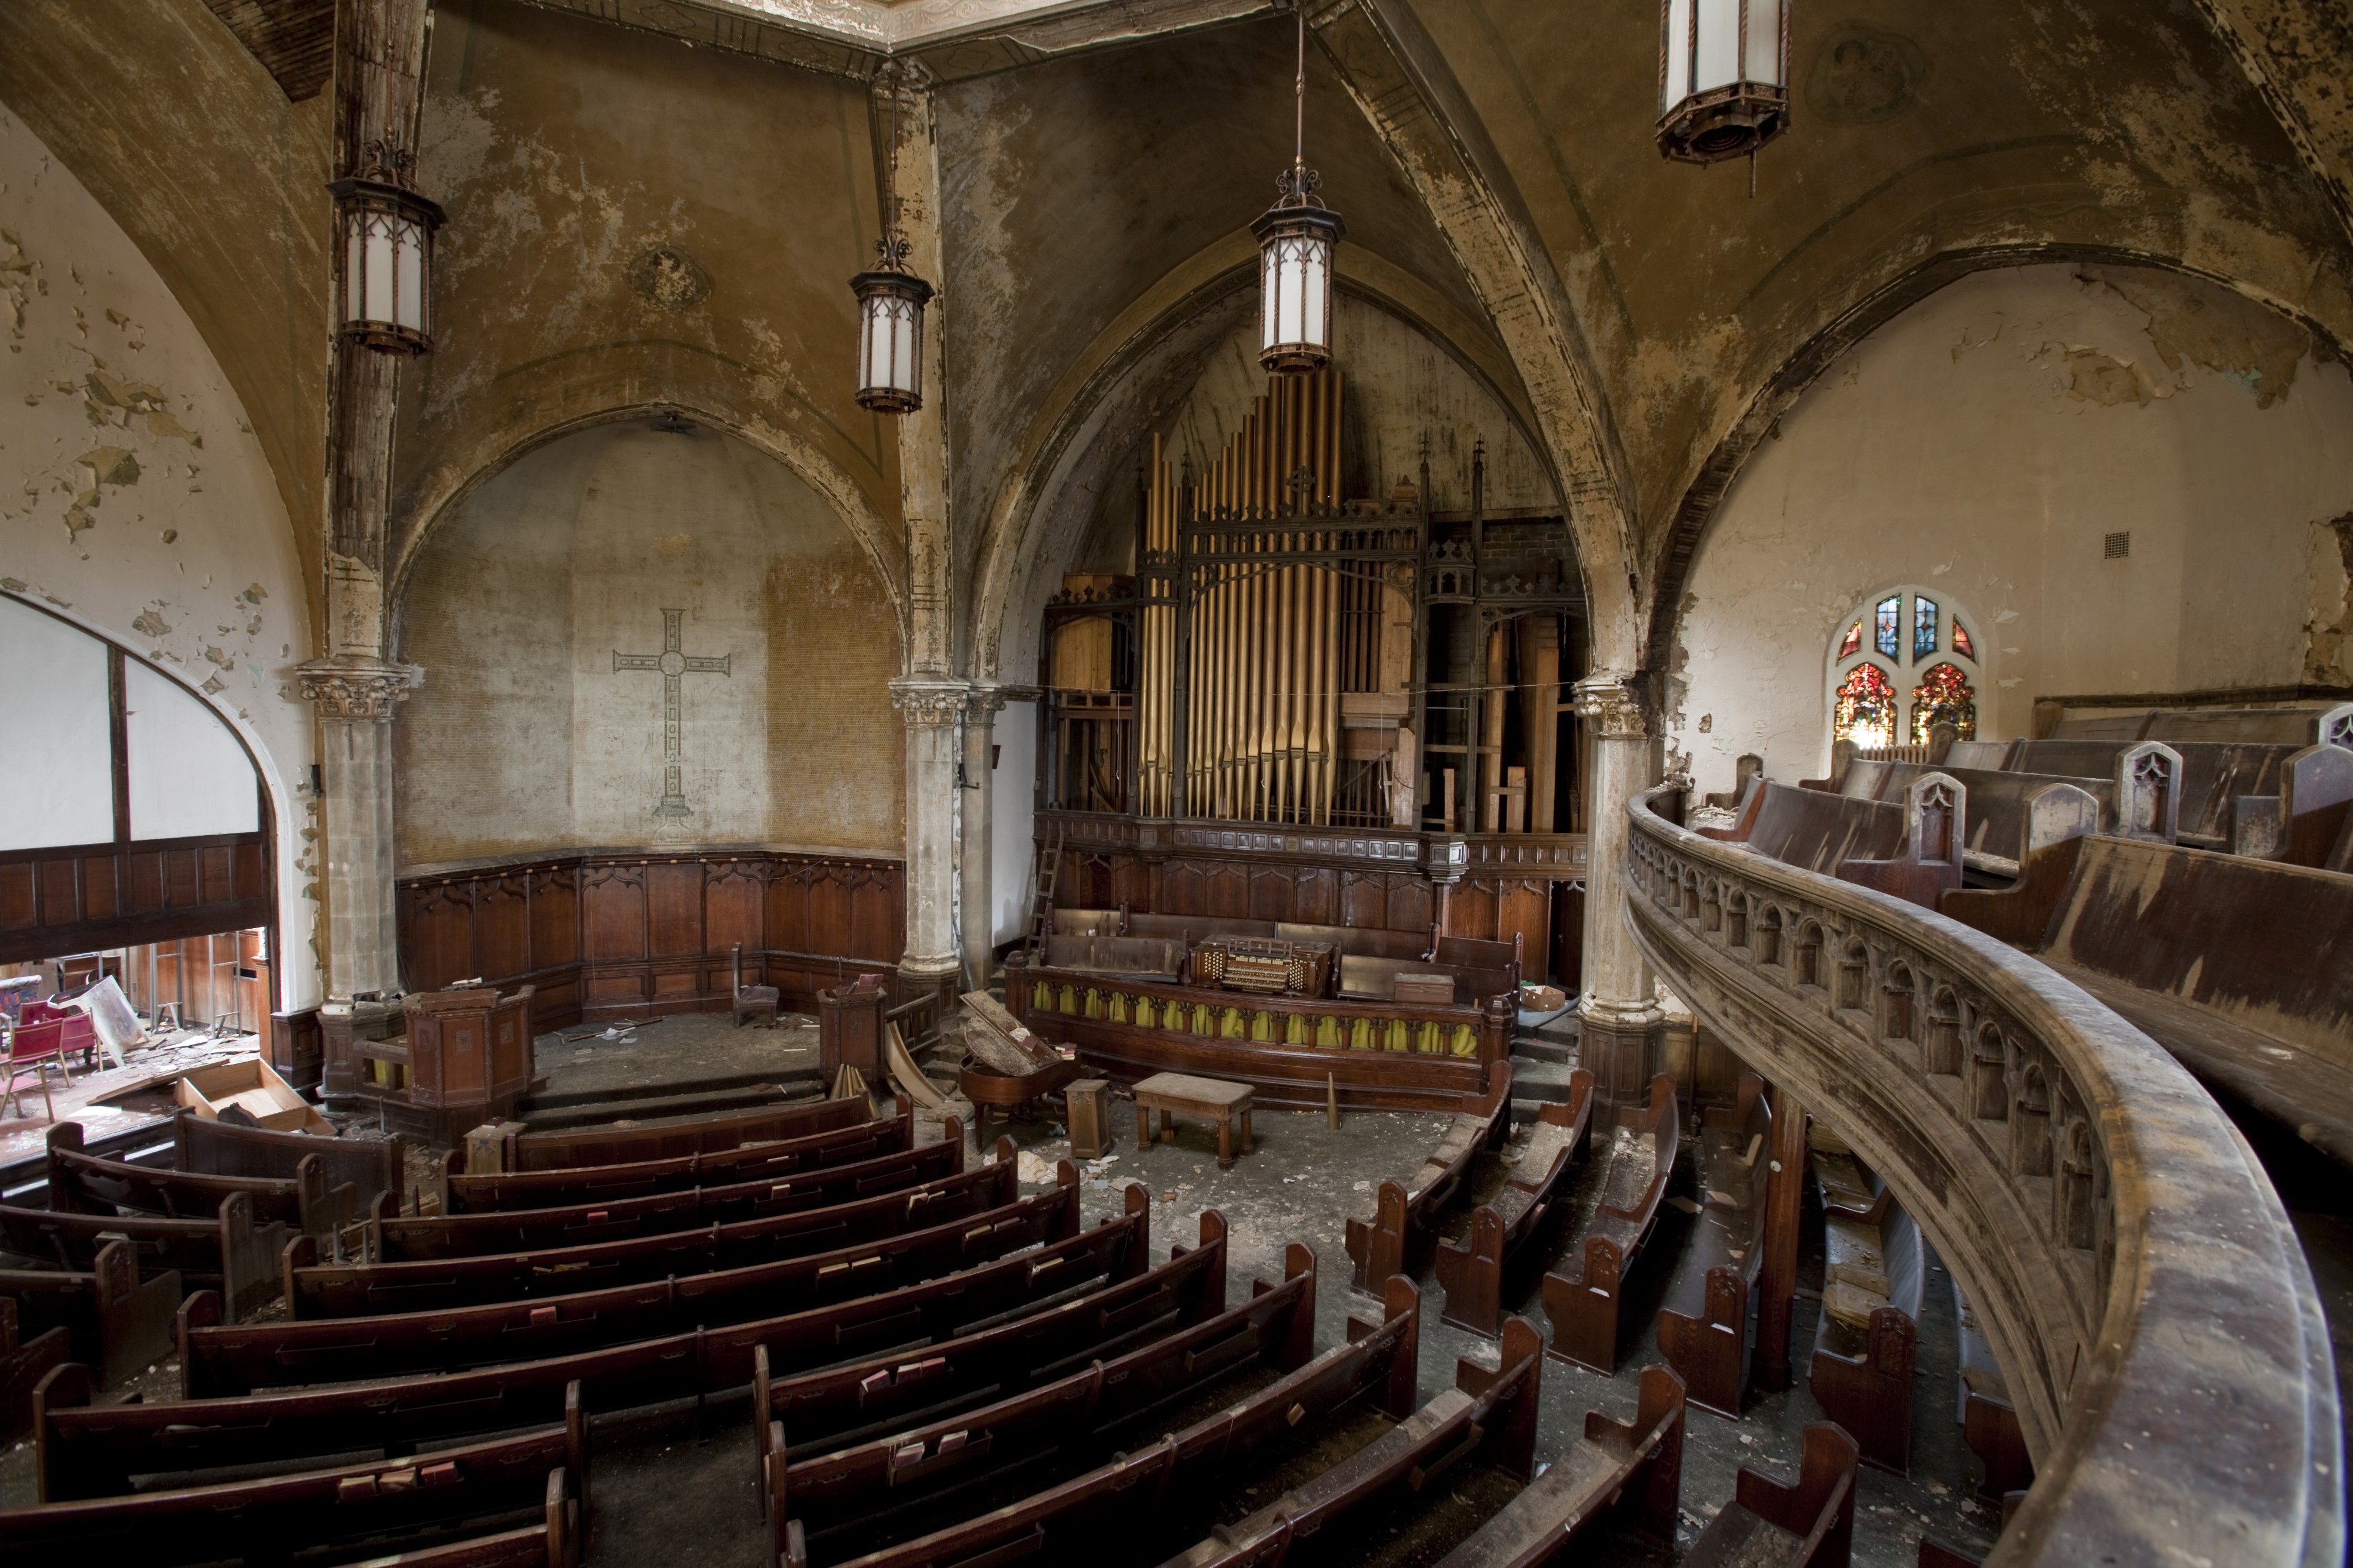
1472	1271
229	1254
829	1504
608	1143
409	1239
307	1198
1634	1470
1584	1307
1703	1327
847	1136
326	1515
1483	1407
219	1358
315	1291
1084	1290
1405	1218
1066	1524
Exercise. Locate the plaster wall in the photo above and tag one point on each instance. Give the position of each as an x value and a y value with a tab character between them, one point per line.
1012	813
525	737
1984	443
136	502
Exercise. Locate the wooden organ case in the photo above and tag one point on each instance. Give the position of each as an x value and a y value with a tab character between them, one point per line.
1322	711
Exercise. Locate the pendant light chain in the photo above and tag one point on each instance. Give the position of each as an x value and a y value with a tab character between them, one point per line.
891	299
1296	237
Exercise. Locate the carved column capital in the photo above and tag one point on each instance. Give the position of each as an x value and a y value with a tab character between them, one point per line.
357	688
1608	701
983	702
928	704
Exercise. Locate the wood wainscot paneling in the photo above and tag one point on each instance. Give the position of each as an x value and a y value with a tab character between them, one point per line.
87	897
608	937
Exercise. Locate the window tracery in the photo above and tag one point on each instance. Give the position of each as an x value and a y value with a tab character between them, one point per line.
1901	663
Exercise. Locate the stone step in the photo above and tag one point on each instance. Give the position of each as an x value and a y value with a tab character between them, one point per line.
1536	1048
1538	1081
660	1107
775	1082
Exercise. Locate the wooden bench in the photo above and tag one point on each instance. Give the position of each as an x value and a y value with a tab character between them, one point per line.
1874	1273
272	1517
93	1450
118	1324
552	1542
471	1193
2211	955
1703	1327
1172	1092
848	1499
229	1254
218	1359
1067	1523
1988	1421
1768	1525
574	1147
221	1147
1493	1410
1584	1307
1472	1272
315	1291
409	1238
26	1358
1405	1218
1633	1471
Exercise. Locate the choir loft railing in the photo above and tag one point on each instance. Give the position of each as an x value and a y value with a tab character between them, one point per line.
2137	1276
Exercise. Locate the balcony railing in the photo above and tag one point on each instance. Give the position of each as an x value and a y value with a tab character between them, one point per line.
2135	1272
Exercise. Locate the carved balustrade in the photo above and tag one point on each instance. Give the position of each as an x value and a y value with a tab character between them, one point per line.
2137	1276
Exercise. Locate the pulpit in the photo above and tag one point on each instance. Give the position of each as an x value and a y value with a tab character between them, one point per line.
470	1058
849	1029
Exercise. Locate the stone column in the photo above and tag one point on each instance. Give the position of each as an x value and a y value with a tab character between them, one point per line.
932	708
380	48
975	902
1618	1015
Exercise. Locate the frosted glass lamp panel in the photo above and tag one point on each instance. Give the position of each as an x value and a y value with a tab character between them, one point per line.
189	776
410	301
1719	60
1674	52
1269	294
1765	42
379	268
355	268
1316	292
902	347
57	786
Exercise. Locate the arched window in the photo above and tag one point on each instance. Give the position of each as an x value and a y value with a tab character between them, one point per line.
1897	640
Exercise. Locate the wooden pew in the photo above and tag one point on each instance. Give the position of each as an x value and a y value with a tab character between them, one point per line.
1767	1525
410	1238
83	1183
1472	1271
1864	1342
1633	1471
314	1511
1406	1218
25	1359
94	1450
572	1147
552	1542
1703	1327
1988	1421
576	1185
218	1358
229	1254
852	1494
117	1323
218	1148
1482	1407
315	1291
1006	1358
1066	1524
1584	1306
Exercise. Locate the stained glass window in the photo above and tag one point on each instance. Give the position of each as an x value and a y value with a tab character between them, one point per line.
1924	628
1850	644
1961	644
1888	636
1944	696
1866	708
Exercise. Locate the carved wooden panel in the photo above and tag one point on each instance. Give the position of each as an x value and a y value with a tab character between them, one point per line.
1413	904
502	927
612	912
674	910
94	896
1364	900
438	936
733	900
554	917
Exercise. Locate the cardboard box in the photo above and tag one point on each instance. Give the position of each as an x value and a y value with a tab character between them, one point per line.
254	1088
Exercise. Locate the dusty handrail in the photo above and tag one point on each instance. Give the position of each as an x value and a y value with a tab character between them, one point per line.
2152	1310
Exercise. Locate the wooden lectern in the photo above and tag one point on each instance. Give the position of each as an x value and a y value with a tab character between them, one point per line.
849	1029
470	1058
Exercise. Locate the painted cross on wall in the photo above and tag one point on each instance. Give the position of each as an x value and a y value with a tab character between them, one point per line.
674	665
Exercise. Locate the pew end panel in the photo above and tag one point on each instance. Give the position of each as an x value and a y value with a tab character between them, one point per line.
135	1318
1400	1385
25	1366
1523	1347
1767	1524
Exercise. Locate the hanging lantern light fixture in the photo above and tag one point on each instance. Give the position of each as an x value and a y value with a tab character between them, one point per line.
891	302
1296	240
385	282
1724	77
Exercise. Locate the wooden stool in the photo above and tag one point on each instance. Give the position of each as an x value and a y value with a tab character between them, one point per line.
1171	1093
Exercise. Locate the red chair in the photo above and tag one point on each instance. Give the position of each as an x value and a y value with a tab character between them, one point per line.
80	1035
33	1049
